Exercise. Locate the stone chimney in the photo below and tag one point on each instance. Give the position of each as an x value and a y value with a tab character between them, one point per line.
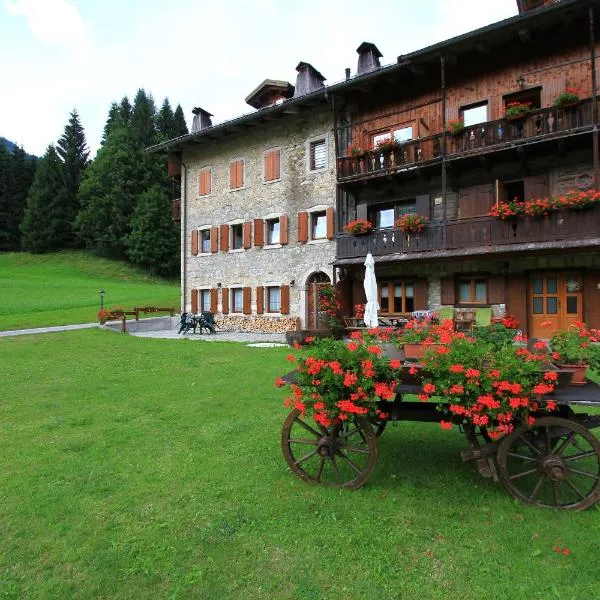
201	119
308	79
368	58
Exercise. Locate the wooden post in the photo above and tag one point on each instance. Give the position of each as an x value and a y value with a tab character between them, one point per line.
124	324
443	149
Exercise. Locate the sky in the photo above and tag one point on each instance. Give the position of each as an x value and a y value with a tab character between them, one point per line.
57	55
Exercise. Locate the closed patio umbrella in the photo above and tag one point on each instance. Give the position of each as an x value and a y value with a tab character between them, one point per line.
370	285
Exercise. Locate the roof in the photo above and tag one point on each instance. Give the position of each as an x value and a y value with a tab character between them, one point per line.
501	31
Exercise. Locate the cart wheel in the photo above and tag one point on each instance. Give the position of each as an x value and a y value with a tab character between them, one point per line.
377	425
554	464
339	456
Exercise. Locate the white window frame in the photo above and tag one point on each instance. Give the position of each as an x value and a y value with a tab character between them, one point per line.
201	229
316	209
200	303
231	226
473	106
280	148
317	138
267	308
243	187
232	290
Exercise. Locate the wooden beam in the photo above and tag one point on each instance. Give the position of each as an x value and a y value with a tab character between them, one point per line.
523	158
416	69
483	48
524	34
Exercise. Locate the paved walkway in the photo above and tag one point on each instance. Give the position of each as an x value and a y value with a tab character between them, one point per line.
48	329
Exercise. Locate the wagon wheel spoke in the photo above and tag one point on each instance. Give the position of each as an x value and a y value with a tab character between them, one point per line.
564	444
320	471
579	456
548	440
583	473
348	461
537	487
530	445
305	457
521	456
336	471
307	427
523	474
303	441
555	493
354	449
574	488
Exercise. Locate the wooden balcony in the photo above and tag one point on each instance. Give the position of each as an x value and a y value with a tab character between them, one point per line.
537	125
176	210
477	233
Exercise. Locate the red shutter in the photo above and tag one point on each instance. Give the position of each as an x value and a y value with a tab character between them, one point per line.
276	164
420	290
204	181
246	294
247	238
214	239
496	289
285	299
194	301
330	224
302	227
224	238
259	228
195	242
214	300
267	167
448	291
272	165
260	296
283	229
225	300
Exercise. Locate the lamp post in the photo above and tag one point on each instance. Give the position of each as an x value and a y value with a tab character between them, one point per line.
101	299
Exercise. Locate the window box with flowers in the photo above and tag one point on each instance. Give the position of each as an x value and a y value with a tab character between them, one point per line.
358	227
514	111
575	349
411	223
421	335
567	98
387	145
455	126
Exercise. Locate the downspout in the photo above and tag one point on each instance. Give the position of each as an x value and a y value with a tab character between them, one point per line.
183	235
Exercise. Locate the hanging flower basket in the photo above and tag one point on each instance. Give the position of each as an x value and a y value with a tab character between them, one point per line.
411	223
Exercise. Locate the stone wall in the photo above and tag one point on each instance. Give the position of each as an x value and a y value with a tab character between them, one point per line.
298	189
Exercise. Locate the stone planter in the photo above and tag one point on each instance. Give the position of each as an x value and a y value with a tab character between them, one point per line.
577	373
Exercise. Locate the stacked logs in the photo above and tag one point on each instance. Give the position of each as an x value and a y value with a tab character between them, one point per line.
255	323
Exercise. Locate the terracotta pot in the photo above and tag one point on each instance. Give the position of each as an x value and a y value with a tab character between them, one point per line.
417	350
577	373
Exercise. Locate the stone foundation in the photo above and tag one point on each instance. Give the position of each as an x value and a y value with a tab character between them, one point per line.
255	323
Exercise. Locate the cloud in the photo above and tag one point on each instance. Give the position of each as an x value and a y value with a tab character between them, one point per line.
55	22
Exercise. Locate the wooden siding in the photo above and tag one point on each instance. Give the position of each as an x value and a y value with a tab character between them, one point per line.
516	299
591	298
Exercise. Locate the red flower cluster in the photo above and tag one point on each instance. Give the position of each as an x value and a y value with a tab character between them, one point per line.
411	223
358	226
507	320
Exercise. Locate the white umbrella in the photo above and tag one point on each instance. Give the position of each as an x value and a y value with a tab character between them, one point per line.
370	285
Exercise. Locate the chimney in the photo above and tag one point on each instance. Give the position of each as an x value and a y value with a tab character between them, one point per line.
201	119
347	72
308	79
368	58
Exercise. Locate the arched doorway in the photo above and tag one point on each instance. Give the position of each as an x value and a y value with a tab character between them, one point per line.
313	282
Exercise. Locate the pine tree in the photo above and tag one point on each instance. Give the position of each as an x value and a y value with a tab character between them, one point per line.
180	126
125	112
112	120
165	122
45	225
143	125
22	174
73	151
154	238
7	234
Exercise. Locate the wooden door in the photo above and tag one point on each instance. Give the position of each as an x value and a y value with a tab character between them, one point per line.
314	282
554	302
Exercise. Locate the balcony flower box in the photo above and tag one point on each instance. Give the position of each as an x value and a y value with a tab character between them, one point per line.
569	97
515	111
358	227
455	126
411	223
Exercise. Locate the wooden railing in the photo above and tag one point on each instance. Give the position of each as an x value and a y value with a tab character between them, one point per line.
478	232
548	122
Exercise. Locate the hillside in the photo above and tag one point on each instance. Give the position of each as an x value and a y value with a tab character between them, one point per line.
63	288
11	146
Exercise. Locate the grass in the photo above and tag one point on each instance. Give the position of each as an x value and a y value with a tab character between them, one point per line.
133	468
62	288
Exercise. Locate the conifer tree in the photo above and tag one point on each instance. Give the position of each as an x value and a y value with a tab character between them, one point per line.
180	126
165	122
22	174
125	112
7	237
143	119
112	120
45	225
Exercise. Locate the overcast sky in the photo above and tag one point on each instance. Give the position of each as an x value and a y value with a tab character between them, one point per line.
56	55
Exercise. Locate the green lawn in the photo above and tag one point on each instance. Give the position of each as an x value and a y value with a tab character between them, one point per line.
62	288
133	468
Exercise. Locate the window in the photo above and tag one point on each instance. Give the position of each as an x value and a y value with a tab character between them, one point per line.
514	191
317	155
531	96
237	236
204	181
401	134
236	174
472	291
272	165
318	225
396	297
205	241
204	300
272	226
384	216
273	299
474	114
237	300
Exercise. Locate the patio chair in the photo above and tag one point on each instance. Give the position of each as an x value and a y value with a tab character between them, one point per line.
206	320
187	321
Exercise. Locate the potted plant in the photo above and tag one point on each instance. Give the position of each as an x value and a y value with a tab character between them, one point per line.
359	311
329	307
567	98
455	126
575	349
103	316
355	151
419	336
387	145
411	223
516	110
358	227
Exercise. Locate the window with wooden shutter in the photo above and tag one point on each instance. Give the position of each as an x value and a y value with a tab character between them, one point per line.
318	225
402	296
283	229
535	187
214	300
260	291
285	300
237	236
247	235
214	239
302	227
273	299
225	301
448	292
272	165
204	300
194	301
317	155
205	181
237	300
194	242
247	293
330	224
259	226
204	241
236	174
475	201
224	234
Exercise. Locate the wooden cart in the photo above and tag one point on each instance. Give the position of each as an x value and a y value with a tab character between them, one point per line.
555	463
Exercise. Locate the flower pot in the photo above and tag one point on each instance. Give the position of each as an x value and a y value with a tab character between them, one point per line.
577	373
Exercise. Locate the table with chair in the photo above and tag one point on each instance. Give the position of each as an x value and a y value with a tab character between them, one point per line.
203	321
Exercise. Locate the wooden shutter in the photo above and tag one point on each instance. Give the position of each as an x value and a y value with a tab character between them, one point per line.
204	181
475	201
535	187
233	175
448	291
259	232
214	300
422	207
285	299
496	289
240	173
420	291
195	242
330	223
302	227
224	234
214	239
246	295
283	229
272	165
194	301
260	297
516	299
361	211
225	301
591	298
247	238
